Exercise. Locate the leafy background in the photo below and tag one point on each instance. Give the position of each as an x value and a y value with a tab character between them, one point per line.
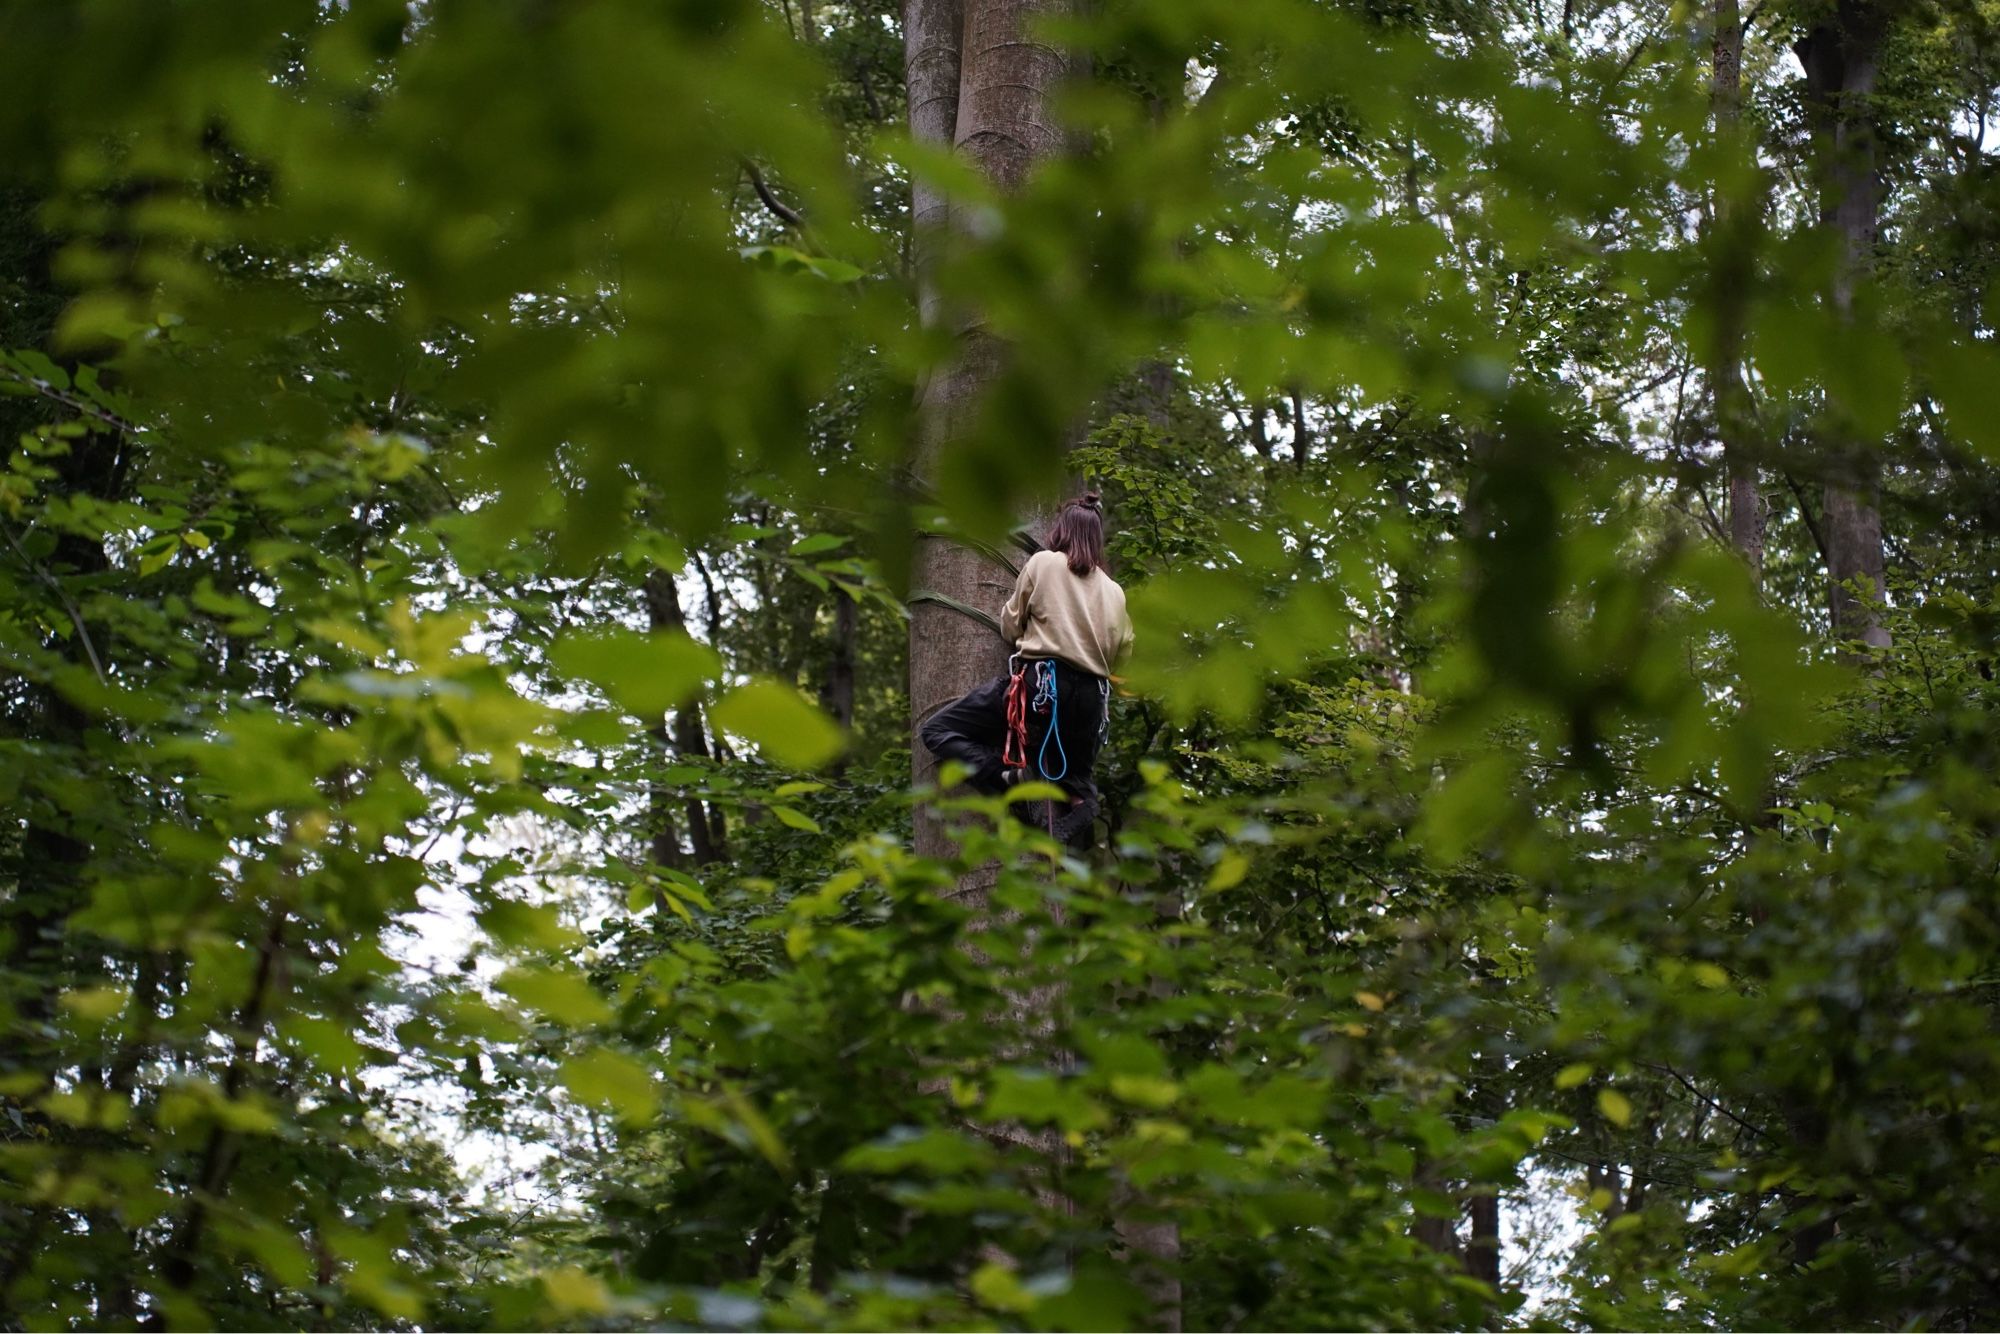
458	522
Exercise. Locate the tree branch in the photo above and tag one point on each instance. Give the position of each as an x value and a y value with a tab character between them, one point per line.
68	604
83	407
791	217
1812	524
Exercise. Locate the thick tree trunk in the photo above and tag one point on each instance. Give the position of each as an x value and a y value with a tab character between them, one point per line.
980	80
1746	506
1841	55
1852	521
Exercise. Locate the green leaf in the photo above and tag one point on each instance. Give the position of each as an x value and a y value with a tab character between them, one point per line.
39	365
1230	868
327	1043
557	995
1037	1097
278	1251
614	1081
1145	1091
95	1004
782	723
526	926
1617	1108
647	674
796	819
572	1292
996	1286
934	1152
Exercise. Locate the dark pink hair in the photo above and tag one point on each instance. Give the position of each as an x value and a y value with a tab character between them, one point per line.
1078	533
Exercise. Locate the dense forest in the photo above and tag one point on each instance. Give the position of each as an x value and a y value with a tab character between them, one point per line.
492	487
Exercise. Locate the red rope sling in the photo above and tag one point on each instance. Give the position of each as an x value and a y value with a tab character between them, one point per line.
1014	750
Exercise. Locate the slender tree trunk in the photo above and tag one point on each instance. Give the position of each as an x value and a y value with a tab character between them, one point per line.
1301	436
706	834
55	848
1841	55
1732	416
837	692
1482	1248
1153	1243
1439	1234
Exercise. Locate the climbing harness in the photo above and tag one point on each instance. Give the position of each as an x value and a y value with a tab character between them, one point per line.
1045	699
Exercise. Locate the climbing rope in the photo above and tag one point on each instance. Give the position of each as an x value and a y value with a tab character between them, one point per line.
1046	701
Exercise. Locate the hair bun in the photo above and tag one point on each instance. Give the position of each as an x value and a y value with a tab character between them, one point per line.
1090	500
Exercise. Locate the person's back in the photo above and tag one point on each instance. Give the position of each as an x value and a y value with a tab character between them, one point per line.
1068	623
1058	613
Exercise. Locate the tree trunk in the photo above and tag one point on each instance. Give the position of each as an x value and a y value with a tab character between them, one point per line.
55	847
981	81
837	692
1746	508
1841	55
1482	1247
705	827
1152	1243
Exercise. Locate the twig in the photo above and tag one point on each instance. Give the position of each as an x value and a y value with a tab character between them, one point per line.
75	616
1715	528
1682	1080
71	401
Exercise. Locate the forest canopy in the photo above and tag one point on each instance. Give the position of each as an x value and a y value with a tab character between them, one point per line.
492	489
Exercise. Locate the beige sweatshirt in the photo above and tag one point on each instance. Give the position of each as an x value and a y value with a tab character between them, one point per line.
1078	618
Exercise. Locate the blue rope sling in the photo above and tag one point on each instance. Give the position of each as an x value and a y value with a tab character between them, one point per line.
1046	694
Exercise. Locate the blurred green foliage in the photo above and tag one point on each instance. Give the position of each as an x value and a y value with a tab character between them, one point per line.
456	528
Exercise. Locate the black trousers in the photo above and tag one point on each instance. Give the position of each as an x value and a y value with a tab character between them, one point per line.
972	729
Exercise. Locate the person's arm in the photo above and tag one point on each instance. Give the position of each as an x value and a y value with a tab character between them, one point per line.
1014	616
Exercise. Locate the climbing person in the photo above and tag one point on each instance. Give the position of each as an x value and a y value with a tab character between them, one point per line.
1046	718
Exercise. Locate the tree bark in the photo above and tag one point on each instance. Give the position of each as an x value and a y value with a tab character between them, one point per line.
837	691
1153	1243
706	833
980	80
1841	55
1482	1248
1746	506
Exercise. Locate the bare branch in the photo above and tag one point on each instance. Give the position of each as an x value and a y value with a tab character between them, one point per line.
785	214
